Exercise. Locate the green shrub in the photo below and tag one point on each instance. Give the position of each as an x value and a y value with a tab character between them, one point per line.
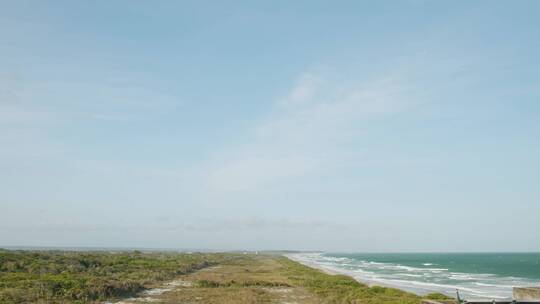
436	296
62	276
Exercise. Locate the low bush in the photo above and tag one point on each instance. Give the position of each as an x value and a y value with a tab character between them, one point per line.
82	277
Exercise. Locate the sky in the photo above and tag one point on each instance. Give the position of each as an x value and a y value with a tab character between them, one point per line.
371	126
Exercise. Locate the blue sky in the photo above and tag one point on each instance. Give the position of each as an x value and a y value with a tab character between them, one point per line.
347	126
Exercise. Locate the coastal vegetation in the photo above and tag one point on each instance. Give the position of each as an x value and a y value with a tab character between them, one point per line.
82	277
343	289
93	277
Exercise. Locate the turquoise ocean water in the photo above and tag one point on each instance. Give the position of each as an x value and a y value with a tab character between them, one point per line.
475	275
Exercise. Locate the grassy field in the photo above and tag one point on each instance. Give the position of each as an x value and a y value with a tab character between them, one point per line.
75	277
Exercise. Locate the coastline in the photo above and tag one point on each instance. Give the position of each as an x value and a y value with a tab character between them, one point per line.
426	275
326	270
332	271
421	292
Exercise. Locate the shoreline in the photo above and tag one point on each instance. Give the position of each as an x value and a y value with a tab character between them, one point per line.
421	287
312	265
330	271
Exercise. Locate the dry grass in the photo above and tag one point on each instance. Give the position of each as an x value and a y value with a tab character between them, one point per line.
217	296
245	280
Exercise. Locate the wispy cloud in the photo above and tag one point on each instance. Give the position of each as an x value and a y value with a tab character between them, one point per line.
25	101
36	113
200	225
255	224
303	92
311	130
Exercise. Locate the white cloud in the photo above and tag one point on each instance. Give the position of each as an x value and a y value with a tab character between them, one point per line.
310	131
303	92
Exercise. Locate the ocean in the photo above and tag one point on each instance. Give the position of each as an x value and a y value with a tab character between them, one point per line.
475	275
